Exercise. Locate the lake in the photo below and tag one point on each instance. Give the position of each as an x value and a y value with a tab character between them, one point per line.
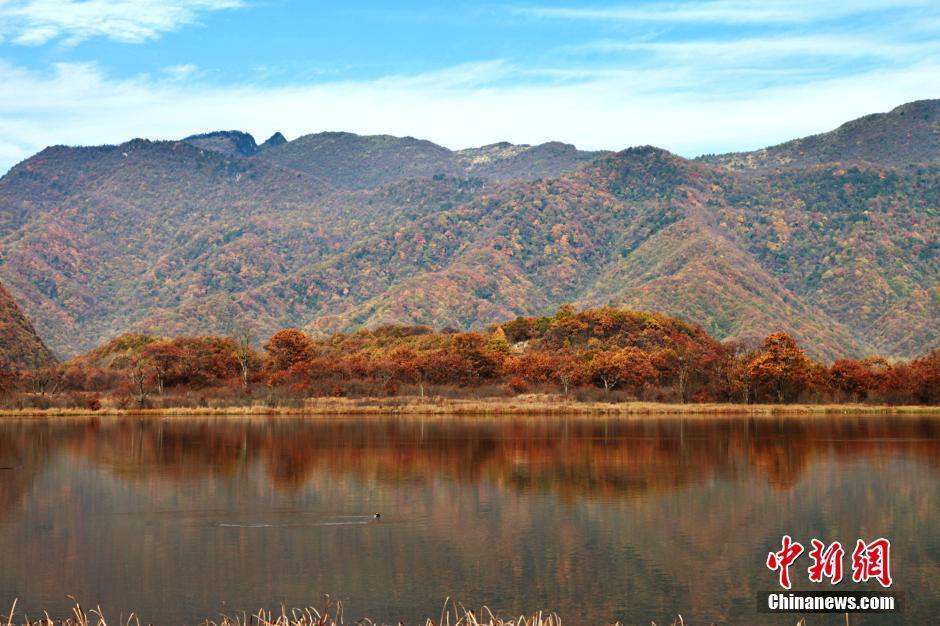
598	519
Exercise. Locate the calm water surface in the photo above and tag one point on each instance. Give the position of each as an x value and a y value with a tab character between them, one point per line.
596	519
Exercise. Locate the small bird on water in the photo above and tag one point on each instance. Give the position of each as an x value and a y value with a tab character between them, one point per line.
376	515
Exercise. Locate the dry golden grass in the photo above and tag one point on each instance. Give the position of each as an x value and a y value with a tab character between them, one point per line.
555	405
519	405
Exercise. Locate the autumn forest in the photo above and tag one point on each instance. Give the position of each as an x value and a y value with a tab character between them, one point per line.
604	354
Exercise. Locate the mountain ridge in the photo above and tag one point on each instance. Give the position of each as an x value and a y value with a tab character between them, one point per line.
907	135
354	162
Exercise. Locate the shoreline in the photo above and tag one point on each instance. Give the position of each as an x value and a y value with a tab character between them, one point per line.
520	406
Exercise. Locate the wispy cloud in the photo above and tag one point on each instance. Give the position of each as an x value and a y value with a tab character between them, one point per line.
36	22
724	11
750	50
186	71
772	71
742	58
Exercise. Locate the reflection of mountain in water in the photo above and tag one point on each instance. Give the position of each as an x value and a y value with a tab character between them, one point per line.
636	519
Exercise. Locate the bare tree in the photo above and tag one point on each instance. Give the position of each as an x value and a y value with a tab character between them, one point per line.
243	332
567	371
46	380
138	379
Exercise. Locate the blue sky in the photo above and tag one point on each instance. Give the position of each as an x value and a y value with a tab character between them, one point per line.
692	77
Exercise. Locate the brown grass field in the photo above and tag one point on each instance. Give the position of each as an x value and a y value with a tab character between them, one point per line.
541	405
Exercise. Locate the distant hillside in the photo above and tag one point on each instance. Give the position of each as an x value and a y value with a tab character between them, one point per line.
907	135
233	142
19	344
355	162
351	161
230	143
335	231
506	161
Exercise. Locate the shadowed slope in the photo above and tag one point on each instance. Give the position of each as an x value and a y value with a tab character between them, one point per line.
19	344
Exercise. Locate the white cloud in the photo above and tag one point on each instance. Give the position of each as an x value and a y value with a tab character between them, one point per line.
36	22
725	11
714	90
748	51
461	107
186	71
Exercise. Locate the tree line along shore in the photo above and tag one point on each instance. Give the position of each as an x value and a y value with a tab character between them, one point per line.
603	360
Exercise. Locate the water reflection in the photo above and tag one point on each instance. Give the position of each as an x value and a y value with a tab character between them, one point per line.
635	520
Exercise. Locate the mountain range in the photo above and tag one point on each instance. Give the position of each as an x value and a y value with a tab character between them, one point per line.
832	238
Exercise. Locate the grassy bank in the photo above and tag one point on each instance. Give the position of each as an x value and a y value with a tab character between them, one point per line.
519	405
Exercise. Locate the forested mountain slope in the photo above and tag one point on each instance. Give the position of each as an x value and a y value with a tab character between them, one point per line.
644	228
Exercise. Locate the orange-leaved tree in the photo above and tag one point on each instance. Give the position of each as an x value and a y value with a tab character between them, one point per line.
780	366
287	348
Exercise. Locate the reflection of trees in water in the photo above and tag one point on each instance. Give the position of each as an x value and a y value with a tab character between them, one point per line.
18	467
666	513
574	458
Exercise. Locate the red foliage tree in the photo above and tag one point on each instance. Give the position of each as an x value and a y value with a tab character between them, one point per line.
925	379
780	367
286	348
166	360
851	377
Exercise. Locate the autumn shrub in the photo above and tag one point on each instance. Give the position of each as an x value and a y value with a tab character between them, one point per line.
74	399
660	393
122	399
93	402
279	397
516	384
357	388
36	401
590	394
390	388
230	401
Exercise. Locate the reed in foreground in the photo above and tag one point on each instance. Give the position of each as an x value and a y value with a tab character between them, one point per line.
331	614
